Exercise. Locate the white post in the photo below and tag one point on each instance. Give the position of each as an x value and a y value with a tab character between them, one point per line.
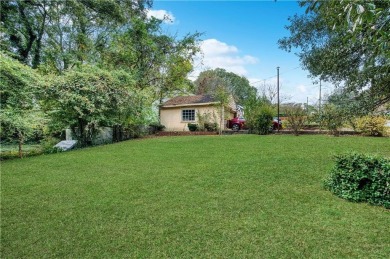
68	134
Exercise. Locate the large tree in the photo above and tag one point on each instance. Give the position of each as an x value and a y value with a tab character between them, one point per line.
87	97
80	41
156	60
60	33
345	42
209	81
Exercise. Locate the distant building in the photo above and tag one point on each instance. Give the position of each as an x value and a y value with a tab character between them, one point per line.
178	112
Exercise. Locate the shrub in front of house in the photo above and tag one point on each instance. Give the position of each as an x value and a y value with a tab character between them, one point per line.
155	127
211	126
371	125
193	127
361	178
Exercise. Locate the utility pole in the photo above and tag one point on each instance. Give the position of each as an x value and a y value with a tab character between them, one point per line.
319	107
278	99
307	106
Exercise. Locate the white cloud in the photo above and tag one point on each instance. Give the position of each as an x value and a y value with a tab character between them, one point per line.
164	15
302	88
217	54
213	47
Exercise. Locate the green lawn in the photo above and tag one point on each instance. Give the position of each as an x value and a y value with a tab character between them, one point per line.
202	196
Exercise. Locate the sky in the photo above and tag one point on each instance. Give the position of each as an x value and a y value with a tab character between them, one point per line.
241	37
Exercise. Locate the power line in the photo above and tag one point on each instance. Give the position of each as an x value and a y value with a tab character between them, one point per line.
262	80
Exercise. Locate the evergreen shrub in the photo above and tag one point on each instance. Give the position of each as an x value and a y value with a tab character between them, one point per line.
193	127
361	178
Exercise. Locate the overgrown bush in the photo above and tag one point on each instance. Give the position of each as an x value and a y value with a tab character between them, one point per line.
371	125
332	119
260	119
155	127
192	127
206	121
211	126
258	114
264	122
47	145
137	131
296	117
361	178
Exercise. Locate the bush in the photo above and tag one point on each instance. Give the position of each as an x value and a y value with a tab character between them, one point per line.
136	131
155	127
206	122
371	125
209	126
361	178
47	145
296	117
264	122
332	118
13	154
192	127
260	120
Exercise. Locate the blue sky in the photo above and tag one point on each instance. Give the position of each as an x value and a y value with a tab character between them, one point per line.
241	37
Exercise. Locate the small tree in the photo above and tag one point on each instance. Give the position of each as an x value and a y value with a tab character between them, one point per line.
296	117
333	118
223	97
19	86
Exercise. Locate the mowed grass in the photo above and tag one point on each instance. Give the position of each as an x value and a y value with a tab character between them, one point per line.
202	196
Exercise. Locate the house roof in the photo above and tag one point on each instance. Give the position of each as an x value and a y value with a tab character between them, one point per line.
189	100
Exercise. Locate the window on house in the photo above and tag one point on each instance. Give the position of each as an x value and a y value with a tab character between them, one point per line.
188	115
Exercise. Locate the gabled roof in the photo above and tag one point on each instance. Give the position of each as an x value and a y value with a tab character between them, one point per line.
189	100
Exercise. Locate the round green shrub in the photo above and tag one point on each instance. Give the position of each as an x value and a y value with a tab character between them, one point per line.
192	127
361	178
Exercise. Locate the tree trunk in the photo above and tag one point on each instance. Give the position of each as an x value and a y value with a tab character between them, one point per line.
30	35
81	126
20	135
222	124
38	47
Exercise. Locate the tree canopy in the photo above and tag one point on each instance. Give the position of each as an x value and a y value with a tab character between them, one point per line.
209	81
58	35
19	87
105	62
346	43
61	33
88	97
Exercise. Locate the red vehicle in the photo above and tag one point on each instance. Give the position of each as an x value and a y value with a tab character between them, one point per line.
236	123
275	123
239	123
